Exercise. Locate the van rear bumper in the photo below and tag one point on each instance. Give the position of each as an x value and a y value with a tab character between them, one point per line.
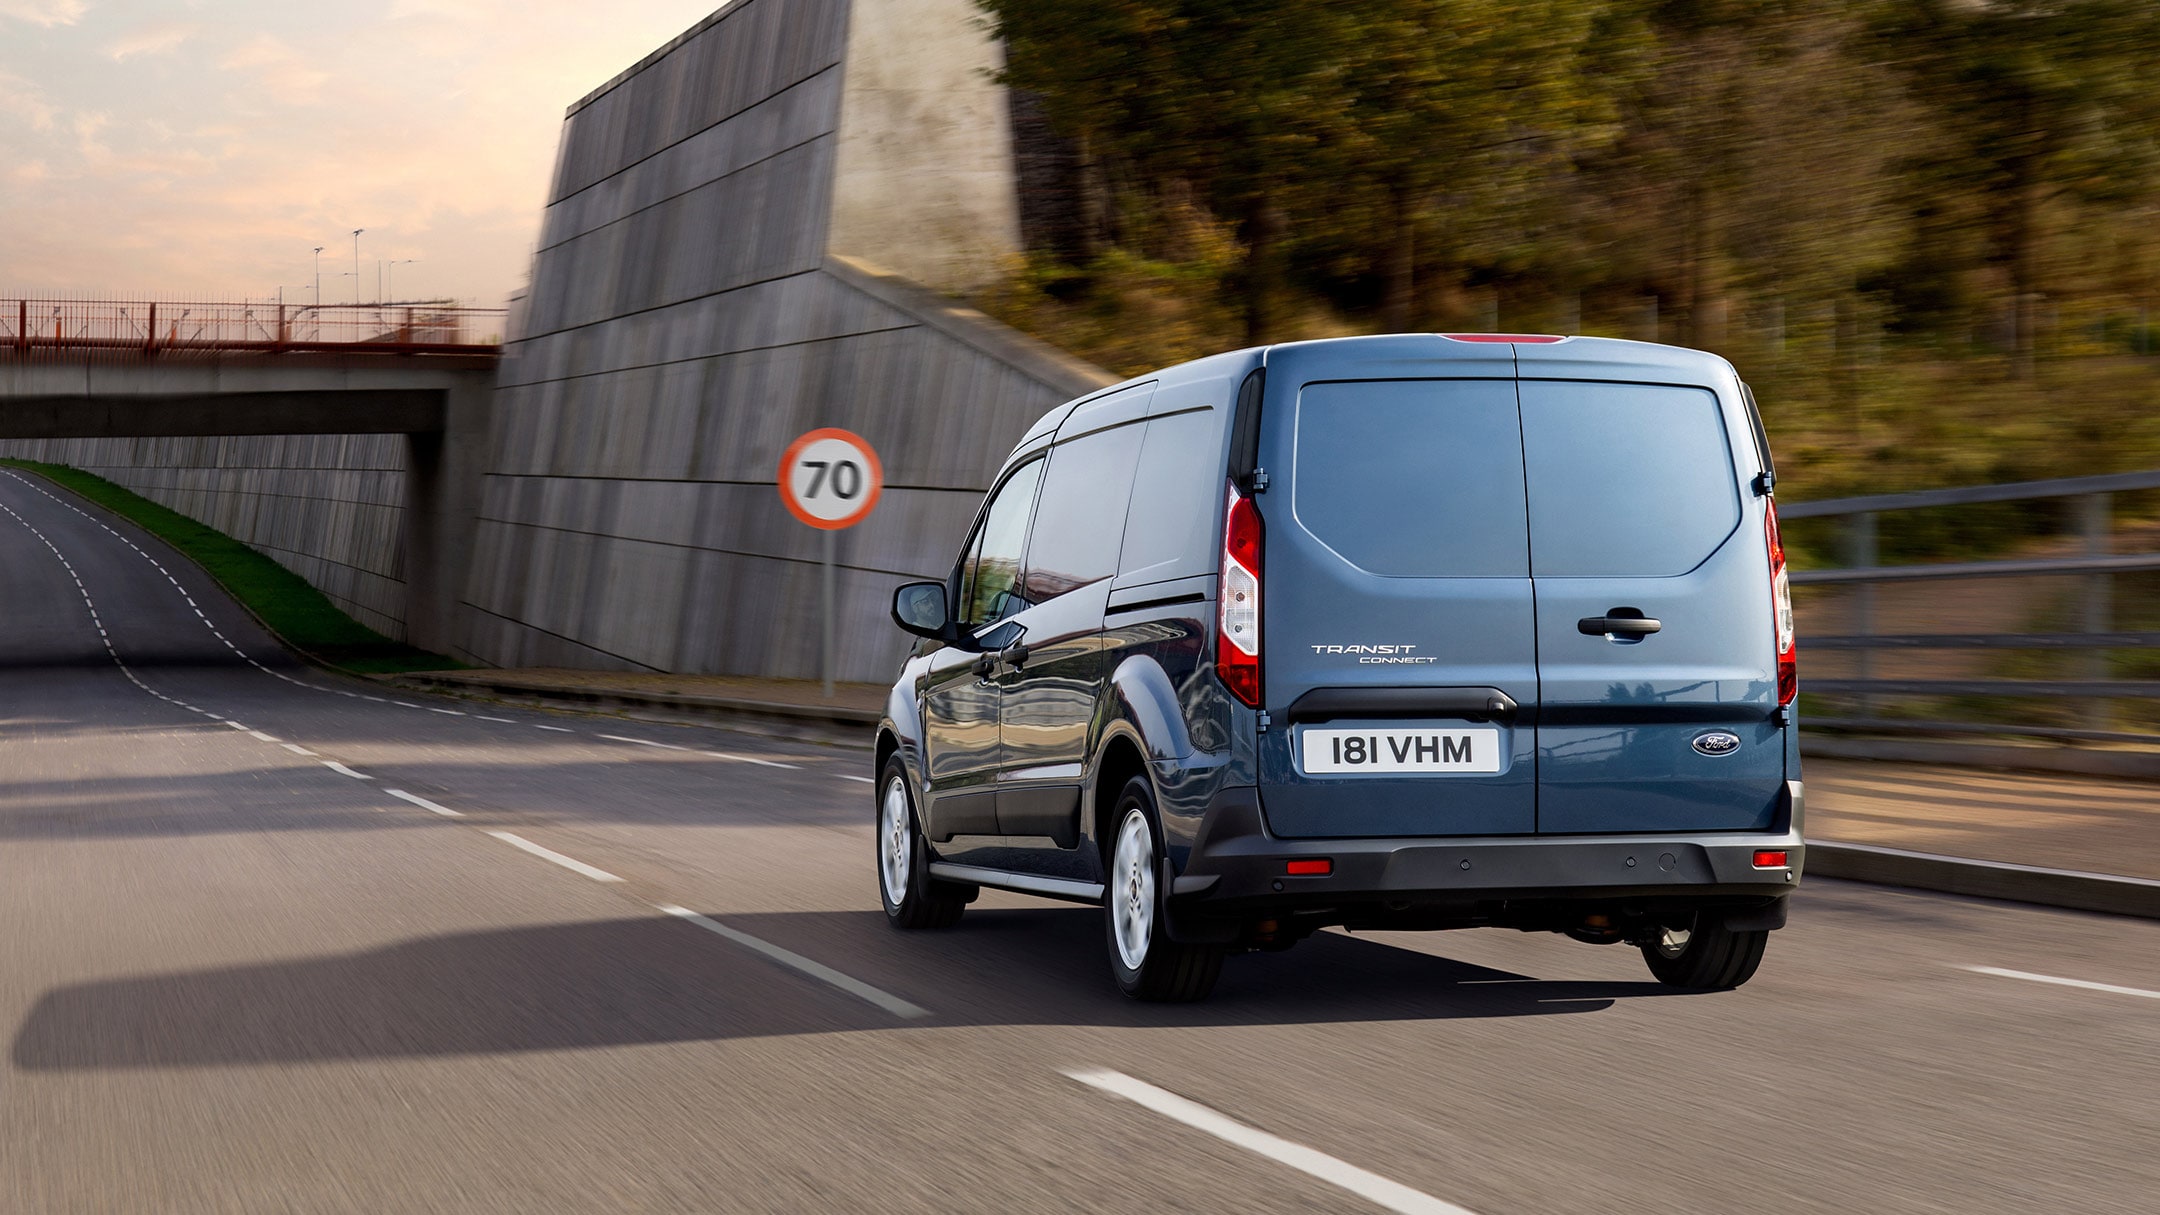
1236	869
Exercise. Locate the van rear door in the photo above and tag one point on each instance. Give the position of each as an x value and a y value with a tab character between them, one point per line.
1640	507
1399	663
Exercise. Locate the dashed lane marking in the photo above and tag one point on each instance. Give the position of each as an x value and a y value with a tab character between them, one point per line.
556	729
1371	1186
500	721
549	854
2084	984
424	803
265	737
642	742
342	770
864	779
795	961
297	749
752	759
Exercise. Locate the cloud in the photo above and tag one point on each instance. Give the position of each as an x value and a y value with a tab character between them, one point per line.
281	69
26	103
158	38
47	13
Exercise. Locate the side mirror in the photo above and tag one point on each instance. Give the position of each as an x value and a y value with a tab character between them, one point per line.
920	608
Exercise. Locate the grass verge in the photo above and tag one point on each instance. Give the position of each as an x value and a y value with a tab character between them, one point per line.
301	616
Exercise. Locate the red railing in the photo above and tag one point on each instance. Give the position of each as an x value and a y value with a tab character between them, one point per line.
154	327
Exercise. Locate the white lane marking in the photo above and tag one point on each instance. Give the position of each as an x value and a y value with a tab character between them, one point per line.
424	803
642	742
342	770
265	737
795	961
556	729
237	726
445	712
402	705
296	749
500	721
2086	984
864	779
549	854
1370	1186
752	759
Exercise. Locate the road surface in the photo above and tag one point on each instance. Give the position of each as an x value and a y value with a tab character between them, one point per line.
275	941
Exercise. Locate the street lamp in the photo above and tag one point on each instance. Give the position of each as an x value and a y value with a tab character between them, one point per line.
356	264
318	276
390	273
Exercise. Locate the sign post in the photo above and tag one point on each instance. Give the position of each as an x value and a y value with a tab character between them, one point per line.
830	479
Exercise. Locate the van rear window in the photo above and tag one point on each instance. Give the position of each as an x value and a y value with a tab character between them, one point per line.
1413	478
1626	480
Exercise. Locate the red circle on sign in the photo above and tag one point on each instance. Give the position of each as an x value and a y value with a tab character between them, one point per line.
794	453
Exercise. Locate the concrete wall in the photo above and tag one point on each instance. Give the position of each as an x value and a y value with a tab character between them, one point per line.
707	286
327	507
690	314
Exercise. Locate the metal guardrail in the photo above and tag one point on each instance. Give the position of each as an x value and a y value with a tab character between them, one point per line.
153	327
2097	565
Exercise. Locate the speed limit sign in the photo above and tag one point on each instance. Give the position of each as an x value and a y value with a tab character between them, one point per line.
830	479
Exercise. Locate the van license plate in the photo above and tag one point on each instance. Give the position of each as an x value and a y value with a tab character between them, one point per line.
1324	751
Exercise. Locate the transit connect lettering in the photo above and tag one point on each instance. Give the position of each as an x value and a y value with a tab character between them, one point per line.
1324	750
1379	655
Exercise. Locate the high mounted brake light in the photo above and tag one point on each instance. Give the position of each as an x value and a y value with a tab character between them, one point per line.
1237	635
1781	614
1532	339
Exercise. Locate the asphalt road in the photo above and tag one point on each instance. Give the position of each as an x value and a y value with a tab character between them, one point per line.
272	941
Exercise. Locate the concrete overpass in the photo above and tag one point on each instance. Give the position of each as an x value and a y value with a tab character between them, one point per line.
421	376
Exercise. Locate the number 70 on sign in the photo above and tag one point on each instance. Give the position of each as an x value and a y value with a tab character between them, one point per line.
830	479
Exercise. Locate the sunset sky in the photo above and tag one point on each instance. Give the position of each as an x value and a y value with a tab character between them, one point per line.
204	147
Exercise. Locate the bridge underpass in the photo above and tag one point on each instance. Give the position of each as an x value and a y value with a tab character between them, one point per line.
108	370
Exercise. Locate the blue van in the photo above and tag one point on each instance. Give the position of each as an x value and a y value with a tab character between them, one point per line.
1421	631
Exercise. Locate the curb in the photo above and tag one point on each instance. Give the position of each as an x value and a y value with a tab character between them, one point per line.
2066	888
819	723
2122	765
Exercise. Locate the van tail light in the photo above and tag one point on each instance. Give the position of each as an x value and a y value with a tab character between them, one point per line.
1781	618
1237	602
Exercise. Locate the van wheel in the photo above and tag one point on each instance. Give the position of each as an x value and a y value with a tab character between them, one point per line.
912	899
1704	955
1148	964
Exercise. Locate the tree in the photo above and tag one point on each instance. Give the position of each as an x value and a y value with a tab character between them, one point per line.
1234	98
2041	100
1471	96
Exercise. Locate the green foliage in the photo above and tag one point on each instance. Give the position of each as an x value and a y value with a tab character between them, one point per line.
298	613
1928	231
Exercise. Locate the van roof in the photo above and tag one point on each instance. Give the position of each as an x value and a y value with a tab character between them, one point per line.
1545	355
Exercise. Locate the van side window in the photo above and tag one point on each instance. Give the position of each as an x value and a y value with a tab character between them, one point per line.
990	576
1177	499
1626	480
1078	522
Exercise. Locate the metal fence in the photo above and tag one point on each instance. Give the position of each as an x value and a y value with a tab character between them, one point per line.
154	327
2092	688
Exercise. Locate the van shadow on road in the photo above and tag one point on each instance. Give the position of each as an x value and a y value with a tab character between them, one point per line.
658	980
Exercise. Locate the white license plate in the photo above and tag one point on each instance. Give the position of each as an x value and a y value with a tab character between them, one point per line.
1327	751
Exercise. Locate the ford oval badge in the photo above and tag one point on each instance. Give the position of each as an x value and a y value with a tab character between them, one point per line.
1717	742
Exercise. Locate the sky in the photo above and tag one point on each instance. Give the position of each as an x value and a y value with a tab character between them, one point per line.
203	148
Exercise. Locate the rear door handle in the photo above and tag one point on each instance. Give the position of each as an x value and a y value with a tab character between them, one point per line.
1014	656
1617	626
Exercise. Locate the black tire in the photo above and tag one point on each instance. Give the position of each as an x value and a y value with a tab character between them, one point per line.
921	902
1713	957
1147	963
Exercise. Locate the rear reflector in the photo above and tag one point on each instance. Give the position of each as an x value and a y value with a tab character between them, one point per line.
1530	338
1773	858
1322	868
